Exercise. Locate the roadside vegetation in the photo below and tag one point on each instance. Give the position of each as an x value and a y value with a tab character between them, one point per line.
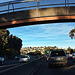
9	45
72	34
68	50
35	53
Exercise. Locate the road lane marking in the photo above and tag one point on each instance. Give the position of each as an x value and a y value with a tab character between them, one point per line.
35	69
8	65
18	66
12	68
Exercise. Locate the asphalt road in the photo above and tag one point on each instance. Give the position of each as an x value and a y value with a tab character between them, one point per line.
12	68
14	64
44	70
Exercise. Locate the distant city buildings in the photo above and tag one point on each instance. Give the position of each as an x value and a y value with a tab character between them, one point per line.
26	50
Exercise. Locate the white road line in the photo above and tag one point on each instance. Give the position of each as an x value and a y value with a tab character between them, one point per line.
17	66
12	67
35	69
8	65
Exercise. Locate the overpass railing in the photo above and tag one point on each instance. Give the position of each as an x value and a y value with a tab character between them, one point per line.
14	6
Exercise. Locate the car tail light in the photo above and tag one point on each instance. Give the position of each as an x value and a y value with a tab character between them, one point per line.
63	63
47	57
66	58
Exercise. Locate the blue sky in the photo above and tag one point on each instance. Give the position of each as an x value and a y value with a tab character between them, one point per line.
53	34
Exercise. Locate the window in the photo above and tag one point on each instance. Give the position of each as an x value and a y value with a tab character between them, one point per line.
57	53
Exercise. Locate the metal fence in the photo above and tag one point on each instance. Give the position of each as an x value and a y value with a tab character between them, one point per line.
14	6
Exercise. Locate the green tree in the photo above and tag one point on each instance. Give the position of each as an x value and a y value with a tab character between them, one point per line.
4	34
73	50
72	33
15	43
9	44
47	49
37	53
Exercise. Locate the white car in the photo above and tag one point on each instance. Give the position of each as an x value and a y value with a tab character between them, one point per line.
24	58
73	57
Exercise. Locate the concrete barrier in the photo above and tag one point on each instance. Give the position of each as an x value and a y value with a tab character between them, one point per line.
23	69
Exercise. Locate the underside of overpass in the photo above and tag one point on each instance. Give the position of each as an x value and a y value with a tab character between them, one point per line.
37	16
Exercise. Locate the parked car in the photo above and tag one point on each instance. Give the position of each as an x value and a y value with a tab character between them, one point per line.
73	57
1	60
24	58
57	58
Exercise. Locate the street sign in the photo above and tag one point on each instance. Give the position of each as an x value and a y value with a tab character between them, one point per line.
46	51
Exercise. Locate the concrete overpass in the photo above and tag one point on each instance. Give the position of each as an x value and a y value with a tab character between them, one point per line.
37	16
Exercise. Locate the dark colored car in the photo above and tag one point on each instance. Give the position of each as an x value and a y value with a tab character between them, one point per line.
57	57
73	57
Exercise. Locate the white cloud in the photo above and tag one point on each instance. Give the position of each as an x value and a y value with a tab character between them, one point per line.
57	29
55	34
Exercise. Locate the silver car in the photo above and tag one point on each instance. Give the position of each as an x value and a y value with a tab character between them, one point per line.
57	57
24	58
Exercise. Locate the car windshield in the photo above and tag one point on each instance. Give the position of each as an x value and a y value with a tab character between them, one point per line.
57	53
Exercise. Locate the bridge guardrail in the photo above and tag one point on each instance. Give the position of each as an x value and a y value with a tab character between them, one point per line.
35	5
